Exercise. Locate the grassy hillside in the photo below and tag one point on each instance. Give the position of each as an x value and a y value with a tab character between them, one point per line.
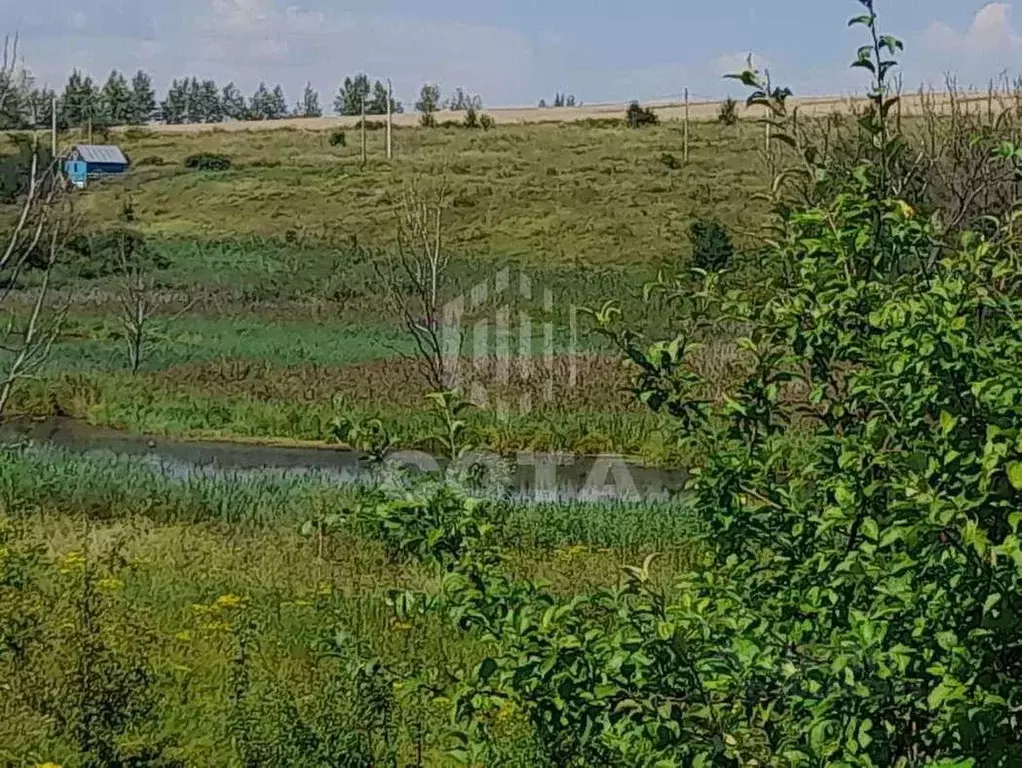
564	192
285	328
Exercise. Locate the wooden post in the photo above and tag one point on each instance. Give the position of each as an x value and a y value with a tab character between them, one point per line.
364	157
768	138
685	140
390	120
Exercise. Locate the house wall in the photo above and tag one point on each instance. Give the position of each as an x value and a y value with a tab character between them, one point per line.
107	168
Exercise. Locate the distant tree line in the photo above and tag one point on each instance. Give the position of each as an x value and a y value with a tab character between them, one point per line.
123	101
560	99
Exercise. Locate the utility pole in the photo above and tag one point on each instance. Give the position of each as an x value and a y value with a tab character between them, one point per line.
364	158
390	120
686	126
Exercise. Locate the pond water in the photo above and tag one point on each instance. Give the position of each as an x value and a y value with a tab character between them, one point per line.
541	477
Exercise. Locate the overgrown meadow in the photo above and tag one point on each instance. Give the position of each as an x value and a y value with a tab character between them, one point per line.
833	353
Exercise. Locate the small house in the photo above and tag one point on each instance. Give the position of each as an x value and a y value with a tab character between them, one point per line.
87	161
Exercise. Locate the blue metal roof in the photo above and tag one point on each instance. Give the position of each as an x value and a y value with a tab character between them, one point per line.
101	153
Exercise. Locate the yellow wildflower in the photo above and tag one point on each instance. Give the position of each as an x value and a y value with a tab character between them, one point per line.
324	589
302	604
110	584
402	626
48	765
229	601
72	561
184	637
218	626
906	210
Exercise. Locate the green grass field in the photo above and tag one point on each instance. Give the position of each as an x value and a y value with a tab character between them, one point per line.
194	620
199	608
283	327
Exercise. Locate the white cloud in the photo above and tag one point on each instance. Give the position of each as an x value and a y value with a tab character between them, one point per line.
279	41
986	47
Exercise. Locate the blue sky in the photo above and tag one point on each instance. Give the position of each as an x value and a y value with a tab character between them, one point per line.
511	52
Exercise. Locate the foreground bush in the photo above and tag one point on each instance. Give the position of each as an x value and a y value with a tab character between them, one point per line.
860	601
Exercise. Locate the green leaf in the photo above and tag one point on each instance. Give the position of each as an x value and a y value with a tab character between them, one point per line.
1015	475
990	602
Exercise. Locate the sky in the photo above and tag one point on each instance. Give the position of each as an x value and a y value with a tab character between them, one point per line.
511	52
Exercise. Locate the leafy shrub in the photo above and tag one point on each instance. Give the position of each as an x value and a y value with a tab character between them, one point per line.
103	253
637	116
207	161
860	599
670	161
712	249
338	138
728	114
16	168
153	160
471	118
486	122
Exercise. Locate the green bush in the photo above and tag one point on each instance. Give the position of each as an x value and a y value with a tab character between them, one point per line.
338	138
712	249
728	114
670	161
16	168
637	116
859	601
207	161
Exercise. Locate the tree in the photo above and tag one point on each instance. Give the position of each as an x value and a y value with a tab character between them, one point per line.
378	104
266	104
428	104
542	103
193	99
18	85
232	103
174	108
35	237
415	278
80	99
463	101
309	105
352	94
209	100
143	99
277	104
116	98
39	109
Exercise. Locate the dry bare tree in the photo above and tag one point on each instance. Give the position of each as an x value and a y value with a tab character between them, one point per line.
36	228
414	280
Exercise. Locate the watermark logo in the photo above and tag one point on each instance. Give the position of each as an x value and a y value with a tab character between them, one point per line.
501	343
